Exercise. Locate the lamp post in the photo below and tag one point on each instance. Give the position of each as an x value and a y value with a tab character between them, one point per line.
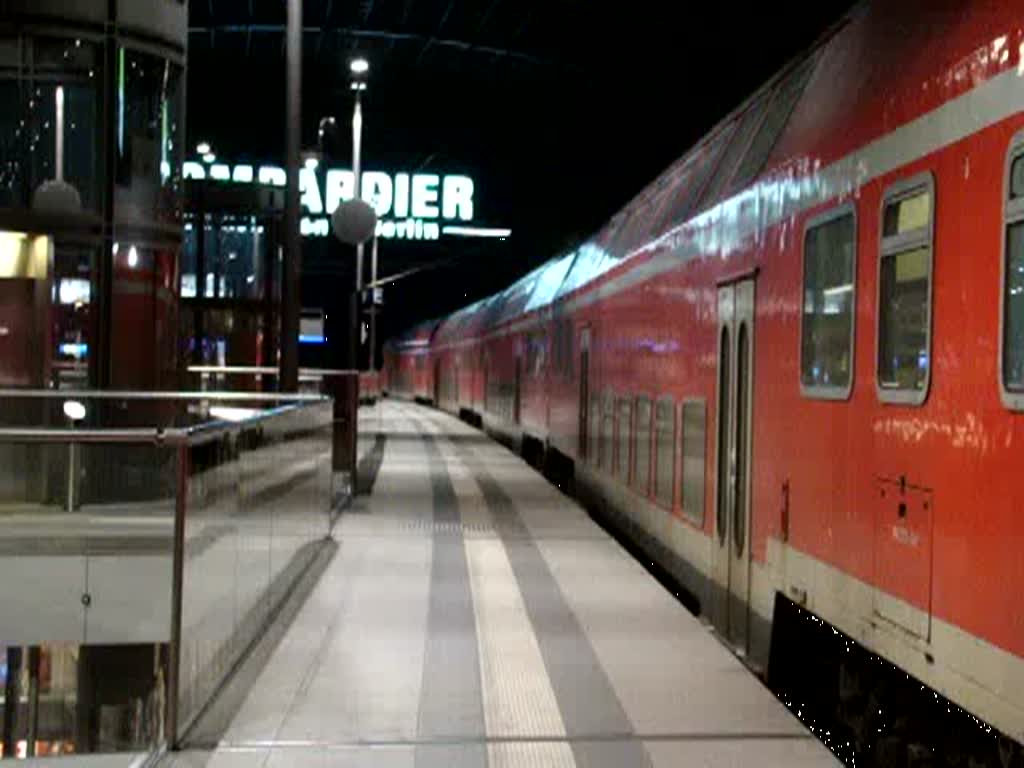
360	68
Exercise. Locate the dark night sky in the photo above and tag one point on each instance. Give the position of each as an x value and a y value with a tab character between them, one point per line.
561	110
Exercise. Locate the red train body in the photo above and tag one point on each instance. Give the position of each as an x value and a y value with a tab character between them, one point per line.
791	364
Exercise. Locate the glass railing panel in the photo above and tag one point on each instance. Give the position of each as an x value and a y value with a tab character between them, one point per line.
86	534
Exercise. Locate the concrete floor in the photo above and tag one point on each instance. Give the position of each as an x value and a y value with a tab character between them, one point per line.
474	616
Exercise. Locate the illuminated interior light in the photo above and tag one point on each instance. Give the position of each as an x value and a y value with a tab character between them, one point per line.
120	100
59	131
359	66
220	172
234	415
165	166
74	410
839	290
116	247
312	163
203	148
209	158
193	170
133	257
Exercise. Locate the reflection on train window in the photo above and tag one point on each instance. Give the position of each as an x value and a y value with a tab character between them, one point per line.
1013	290
694	455
625	414
1013	366
829	294
904	297
664	447
642	447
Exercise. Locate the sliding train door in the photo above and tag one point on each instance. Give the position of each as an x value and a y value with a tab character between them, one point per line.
731	569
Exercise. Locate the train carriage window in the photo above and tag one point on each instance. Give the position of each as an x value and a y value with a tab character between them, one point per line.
608	433
1013	284
594	430
905	293
829	298
664	451
694	456
642	446
622	458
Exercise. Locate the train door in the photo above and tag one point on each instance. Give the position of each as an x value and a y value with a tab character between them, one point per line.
584	392
731	588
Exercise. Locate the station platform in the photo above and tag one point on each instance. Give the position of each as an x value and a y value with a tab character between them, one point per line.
472	615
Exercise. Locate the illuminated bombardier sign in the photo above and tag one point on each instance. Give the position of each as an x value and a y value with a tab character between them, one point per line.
420	206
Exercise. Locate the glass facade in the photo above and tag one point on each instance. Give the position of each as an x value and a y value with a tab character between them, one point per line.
91	147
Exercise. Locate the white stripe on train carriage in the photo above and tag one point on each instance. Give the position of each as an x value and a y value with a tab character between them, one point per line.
727	227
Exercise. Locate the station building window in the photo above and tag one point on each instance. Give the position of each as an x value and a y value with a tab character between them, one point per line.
829	299
665	457
694	456
642	447
904	292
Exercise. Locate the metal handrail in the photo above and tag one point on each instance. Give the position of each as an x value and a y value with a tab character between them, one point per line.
195	435
107	394
63	435
268	370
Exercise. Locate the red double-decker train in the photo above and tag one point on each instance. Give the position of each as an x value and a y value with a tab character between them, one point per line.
792	368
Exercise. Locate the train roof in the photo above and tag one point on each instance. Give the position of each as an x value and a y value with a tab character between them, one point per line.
844	92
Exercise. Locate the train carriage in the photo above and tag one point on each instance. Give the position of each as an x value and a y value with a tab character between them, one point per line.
793	366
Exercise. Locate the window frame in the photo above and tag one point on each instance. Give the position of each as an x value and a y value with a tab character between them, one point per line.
1012	213
607	450
817	392
644	488
623	469
681	439
658	501
897	244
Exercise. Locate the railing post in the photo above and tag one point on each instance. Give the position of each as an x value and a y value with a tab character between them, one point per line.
345	391
177	581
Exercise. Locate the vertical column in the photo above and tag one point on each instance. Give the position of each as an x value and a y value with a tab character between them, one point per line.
11	696
291	294
100	372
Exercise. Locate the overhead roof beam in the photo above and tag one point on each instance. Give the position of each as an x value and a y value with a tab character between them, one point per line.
487	16
440	27
378	34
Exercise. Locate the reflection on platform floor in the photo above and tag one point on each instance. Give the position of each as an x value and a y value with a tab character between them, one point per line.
474	616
